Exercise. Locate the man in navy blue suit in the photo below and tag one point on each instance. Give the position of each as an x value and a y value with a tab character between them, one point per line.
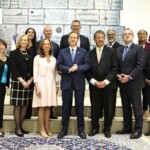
55	51
73	62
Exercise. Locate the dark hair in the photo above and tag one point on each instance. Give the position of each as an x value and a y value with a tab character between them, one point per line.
99	31
72	33
76	21
41	51
139	33
3	41
34	39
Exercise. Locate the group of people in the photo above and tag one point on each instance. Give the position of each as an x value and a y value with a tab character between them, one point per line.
34	68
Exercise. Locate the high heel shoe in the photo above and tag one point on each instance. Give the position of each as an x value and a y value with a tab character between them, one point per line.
44	135
50	134
24	131
19	134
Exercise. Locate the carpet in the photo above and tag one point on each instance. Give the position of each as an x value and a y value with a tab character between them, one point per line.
72	142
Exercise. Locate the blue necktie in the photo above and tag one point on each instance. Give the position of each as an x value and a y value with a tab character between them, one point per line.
72	55
125	52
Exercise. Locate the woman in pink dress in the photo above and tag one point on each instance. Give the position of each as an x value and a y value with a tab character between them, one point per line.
46	85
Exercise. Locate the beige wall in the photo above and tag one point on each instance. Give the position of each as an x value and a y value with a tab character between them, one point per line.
136	15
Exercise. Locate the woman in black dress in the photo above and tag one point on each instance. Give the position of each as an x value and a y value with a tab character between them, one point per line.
4	80
21	67
31	50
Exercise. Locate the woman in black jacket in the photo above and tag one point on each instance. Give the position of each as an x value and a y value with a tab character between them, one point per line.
4	80
21	67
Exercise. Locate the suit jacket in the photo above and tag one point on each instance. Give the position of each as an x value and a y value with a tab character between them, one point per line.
84	42
116	45
64	62
133	65
19	66
105	69
55	48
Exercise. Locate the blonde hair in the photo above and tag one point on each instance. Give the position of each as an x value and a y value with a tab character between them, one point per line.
19	40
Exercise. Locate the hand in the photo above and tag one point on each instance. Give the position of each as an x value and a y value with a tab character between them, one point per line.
37	90
25	84
29	81
147	82
100	84
123	78
73	68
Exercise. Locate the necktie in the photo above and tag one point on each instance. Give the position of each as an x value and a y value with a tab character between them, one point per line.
99	54
72	55
125	53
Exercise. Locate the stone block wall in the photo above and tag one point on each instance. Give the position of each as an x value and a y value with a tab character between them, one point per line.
18	15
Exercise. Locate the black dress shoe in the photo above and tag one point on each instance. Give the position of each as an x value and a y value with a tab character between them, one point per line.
93	132
135	135
61	135
19	134
147	133
24	131
82	135
53	117
124	131
107	134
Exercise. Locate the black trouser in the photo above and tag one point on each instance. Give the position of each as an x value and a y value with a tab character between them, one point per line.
2	97
146	97
99	98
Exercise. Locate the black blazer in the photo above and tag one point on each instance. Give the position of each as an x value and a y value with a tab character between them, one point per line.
106	69
133	65
19	66
116	45
2	64
55	48
84	42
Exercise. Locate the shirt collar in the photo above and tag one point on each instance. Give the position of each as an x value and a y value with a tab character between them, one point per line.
128	44
111	45
97	48
75	48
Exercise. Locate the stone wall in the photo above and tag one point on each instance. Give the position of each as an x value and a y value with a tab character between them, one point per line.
18	15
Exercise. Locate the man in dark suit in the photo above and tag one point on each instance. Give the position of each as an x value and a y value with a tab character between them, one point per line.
55	51
102	79
83	41
131	60
73	62
112	43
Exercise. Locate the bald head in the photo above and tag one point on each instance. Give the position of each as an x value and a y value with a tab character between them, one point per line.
47	32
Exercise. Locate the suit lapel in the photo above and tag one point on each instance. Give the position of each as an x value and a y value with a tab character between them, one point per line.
94	56
68	53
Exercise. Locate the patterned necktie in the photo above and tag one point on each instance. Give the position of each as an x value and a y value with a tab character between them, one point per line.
125	53
72	55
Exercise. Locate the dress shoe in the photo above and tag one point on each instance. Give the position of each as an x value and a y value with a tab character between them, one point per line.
82	135
124	131
94	132
147	133
44	135
20	134
2	134
135	135
61	135
53	117
24	131
107	134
